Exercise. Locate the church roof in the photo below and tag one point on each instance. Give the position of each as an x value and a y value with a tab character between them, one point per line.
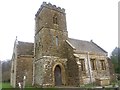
25	48
85	46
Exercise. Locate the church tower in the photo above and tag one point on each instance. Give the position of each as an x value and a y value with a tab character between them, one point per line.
50	30
50	36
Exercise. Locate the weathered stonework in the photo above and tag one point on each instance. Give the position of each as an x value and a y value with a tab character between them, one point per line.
52	47
22	63
45	70
58	60
24	68
49	44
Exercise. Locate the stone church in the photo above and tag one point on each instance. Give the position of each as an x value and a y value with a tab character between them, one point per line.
55	59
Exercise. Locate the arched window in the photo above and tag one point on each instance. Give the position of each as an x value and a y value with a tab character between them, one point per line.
55	19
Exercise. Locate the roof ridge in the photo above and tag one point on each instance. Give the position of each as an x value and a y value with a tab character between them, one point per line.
25	42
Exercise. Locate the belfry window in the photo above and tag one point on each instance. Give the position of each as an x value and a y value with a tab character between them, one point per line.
55	19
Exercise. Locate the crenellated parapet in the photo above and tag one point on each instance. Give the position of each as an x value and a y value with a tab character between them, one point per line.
49	5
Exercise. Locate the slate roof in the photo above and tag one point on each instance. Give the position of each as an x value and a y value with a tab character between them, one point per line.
86	46
25	48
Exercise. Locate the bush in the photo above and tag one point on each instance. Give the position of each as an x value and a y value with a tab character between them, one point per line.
118	76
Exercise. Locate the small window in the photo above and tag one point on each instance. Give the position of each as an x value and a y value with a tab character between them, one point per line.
36	44
92	61
12	71
102	62
82	61
57	41
55	19
39	43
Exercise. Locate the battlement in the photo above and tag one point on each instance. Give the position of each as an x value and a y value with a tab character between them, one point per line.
49	5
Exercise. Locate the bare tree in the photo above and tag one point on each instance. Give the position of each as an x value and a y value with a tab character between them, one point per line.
6	65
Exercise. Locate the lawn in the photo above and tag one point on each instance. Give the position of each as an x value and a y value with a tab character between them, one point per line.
5	85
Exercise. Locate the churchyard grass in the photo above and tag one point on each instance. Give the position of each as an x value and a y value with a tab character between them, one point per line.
5	85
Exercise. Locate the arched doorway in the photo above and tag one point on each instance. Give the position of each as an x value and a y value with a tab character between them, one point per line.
57	75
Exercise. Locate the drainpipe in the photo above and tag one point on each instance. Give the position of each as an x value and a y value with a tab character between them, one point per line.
89	67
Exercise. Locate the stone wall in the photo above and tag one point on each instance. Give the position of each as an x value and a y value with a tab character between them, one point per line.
43	21
24	68
44	72
49	44
46	43
51	49
46	32
39	72
72	68
13	70
89	75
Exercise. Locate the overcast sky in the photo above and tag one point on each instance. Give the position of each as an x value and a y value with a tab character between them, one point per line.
95	20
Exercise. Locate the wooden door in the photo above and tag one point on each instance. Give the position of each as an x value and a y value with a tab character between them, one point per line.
58	77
